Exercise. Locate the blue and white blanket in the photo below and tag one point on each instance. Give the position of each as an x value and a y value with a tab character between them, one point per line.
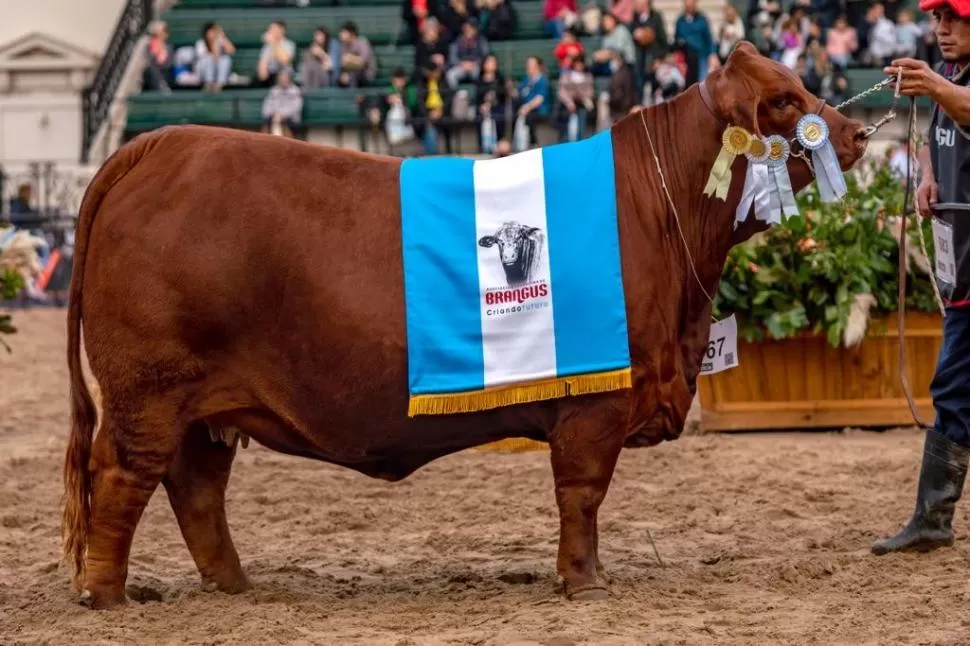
512	277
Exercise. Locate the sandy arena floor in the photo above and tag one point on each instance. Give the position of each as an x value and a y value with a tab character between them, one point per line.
764	540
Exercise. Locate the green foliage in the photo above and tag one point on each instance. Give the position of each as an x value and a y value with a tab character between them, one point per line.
803	275
11	283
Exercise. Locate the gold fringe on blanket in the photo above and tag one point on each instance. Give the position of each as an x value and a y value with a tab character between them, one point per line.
499	396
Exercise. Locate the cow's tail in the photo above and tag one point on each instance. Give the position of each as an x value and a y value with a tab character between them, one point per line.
77	474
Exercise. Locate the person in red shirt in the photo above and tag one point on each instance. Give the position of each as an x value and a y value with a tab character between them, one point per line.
568	49
558	15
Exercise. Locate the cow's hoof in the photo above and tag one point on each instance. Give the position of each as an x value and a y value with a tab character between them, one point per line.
594	592
101	601
236	585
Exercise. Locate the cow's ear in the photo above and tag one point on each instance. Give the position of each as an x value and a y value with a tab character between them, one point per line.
736	97
487	241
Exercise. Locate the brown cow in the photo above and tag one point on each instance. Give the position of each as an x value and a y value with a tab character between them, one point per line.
230	279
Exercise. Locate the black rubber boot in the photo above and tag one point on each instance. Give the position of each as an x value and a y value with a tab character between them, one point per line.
941	480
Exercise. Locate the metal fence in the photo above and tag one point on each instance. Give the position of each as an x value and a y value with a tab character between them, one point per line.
97	97
43	201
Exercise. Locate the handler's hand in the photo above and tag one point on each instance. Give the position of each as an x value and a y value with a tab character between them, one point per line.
918	78
926	195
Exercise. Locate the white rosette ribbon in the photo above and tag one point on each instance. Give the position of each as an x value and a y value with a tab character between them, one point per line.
758	185
782	195
813	134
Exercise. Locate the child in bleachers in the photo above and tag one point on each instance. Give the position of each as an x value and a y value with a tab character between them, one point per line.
568	48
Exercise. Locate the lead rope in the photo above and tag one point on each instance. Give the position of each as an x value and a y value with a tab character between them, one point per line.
670	201
901	304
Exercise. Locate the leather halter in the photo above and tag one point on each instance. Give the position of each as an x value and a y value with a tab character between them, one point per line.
709	101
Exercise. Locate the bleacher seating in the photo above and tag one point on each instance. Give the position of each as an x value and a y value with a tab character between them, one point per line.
245	21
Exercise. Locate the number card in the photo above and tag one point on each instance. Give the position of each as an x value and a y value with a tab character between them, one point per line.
945	264
722	347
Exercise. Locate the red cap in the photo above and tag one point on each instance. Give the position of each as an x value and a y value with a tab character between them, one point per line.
961	7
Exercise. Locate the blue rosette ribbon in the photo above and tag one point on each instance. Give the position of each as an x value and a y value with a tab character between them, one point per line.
813	134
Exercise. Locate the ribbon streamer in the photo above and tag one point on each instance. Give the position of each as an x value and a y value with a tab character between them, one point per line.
813	134
778	153
758	185
735	141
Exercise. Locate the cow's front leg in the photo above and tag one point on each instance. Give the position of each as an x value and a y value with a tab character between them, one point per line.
584	449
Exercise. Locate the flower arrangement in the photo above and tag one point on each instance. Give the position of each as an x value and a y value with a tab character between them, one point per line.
831	269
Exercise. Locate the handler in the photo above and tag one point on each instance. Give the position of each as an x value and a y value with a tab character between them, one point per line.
944	194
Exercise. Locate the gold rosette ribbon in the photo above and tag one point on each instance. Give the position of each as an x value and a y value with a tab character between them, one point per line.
735	141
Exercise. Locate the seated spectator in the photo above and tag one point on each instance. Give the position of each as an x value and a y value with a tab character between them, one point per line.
158	70
694	30
569	47
497	19
558	15
908	35
277	53
650	37
432	49
842	42
320	66
434	100
616	38
213	57
624	97
813	36
466	54
763	12
533	97
764	40
882	36
790	43
823	79
732	30
414	13
492	92
358	65
395	108
668	79
623	10
576	93
283	106
824	11
22	214
453	15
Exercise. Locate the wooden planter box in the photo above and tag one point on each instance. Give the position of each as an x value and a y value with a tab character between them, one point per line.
803	382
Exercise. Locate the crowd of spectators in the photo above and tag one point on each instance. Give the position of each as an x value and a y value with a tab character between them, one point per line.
455	78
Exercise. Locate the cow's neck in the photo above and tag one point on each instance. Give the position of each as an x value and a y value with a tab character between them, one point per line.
687	138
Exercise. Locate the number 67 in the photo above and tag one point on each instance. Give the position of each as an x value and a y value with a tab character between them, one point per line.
713	351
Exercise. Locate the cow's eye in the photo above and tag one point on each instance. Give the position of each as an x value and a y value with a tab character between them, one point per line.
782	102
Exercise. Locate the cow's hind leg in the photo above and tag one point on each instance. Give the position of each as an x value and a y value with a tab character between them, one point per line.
584	450
129	457
196	485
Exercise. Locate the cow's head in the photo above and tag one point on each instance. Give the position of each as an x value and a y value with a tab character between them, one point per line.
768	98
509	238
